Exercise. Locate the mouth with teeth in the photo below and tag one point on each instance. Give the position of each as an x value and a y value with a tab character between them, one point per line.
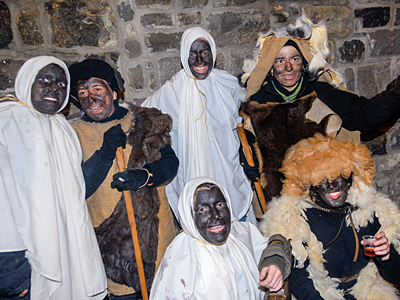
201	69
334	195
216	229
96	109
51	99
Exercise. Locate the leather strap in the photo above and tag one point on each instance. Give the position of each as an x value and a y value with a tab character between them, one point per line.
349	278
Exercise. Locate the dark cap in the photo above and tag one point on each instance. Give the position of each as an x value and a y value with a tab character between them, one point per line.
95	68
294	44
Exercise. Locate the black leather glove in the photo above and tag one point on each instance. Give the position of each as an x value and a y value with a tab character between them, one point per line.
131	179
251	172
112	139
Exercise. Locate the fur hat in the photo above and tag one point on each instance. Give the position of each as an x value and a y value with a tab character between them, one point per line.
311	160
95	68
312	42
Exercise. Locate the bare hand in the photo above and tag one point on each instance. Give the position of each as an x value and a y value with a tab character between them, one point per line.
23	293
271	278
382	245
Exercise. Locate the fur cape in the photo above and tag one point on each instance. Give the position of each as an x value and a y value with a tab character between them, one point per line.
148	134
279	126
286	214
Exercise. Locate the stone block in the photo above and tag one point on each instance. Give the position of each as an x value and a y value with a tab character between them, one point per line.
338	19
161	42
136	79
28	27
152	82
192	18
384	184
153	2
110	57
8	70
158	20
387	162
350	80
168	67
6	34
133	48
78	24
394	138
397	17
352	51
194	3
372	79
220	62
238	2
125	11
373	16
377	146
384	43
233	28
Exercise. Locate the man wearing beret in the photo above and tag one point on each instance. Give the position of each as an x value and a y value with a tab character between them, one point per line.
150	160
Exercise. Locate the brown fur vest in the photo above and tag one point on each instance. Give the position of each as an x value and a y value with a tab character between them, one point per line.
148	134
277	126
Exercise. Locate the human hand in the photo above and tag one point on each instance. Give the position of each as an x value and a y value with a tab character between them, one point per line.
21	295
112	139
271	278
381	245
130	180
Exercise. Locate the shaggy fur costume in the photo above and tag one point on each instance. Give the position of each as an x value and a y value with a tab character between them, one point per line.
277	127
149	133
309	162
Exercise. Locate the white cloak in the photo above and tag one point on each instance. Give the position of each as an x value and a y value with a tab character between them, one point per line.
43	208
194	269
204	136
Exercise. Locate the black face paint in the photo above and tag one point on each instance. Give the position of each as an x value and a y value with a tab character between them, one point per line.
288	67
200	59
96	98
49	89
211	215
332	193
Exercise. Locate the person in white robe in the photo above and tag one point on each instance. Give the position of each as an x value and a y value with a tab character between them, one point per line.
215	257
43	210
204	105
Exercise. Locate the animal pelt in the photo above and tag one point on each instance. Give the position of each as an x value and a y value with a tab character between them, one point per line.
277	127
148	134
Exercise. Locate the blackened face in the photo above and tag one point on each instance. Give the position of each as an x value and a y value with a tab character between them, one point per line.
200	59
333	193
49	89
288	67
96	98
211	215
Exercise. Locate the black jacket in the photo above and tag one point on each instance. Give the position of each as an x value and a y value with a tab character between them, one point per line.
357	113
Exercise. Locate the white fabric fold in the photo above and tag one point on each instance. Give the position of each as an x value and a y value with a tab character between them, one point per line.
43	191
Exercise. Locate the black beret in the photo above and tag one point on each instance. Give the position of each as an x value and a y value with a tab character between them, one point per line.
95	68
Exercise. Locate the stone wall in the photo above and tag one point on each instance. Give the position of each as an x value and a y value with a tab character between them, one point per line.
141	38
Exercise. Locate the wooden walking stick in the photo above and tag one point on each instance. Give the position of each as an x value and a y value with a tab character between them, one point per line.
132	223
250	161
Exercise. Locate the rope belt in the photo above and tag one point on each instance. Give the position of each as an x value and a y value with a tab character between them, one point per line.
343	211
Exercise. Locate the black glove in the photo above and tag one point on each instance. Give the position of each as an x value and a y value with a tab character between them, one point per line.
113	138
251	172
131	180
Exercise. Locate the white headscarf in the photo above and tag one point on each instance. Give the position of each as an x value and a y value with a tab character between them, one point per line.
205	114
192	268
43	196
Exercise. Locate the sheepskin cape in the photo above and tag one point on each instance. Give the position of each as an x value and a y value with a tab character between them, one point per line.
286	215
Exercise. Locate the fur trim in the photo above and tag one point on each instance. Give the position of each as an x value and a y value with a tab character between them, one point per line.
312	40
286	215
312	160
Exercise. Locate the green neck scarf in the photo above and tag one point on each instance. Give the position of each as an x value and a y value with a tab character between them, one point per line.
291	97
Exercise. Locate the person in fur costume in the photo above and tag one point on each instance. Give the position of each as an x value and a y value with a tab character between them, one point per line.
291	64
328	203
150	162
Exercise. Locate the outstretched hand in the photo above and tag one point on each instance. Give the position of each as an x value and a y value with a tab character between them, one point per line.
271	278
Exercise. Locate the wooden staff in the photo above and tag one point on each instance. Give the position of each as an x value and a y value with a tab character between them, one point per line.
250	161
132	223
